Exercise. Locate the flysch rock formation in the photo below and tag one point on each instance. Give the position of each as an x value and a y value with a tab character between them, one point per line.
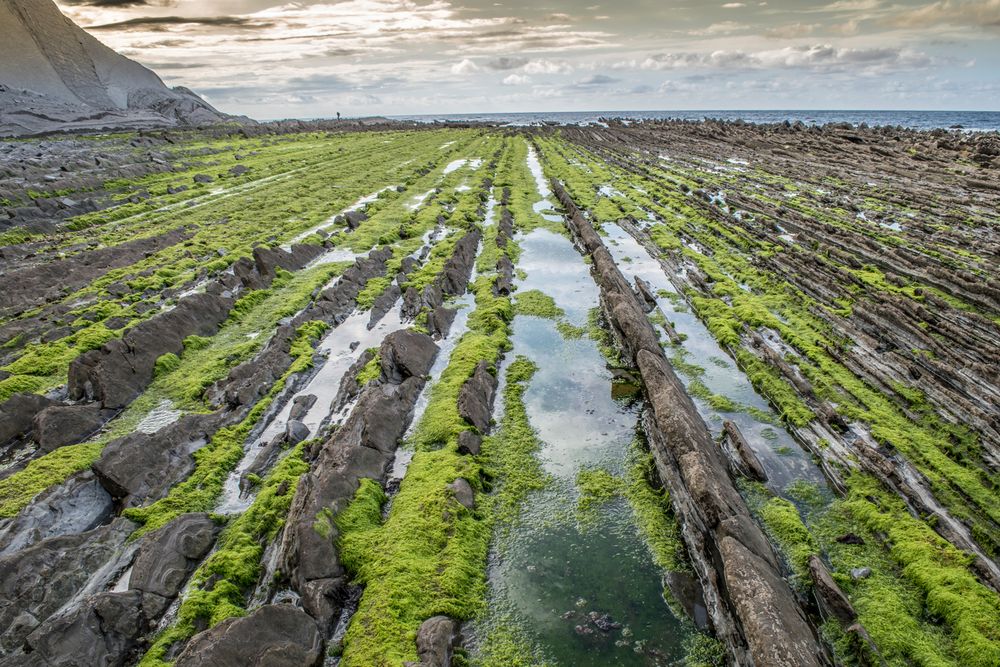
55	76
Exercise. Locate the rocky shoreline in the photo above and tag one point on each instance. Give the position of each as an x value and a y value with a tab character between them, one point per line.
239	374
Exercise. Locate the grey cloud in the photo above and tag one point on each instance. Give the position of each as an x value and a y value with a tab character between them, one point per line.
120	3
163	23
504	63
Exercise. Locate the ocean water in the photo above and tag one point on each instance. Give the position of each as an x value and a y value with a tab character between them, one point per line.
973	121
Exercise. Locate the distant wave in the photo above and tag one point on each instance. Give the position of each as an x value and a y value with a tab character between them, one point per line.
973	121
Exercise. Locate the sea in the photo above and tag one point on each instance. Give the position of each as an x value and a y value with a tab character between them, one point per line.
970	121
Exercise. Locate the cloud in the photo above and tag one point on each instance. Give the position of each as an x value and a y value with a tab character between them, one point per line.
502	63
722	28
114	4
791	30
466	66
543	66
516	80
819	57
973	13
163	23
596	80
734	5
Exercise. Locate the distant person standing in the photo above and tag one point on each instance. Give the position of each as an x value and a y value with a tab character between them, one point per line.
338	115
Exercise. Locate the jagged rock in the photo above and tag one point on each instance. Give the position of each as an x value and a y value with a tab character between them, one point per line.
103	630
645	293
745	458
59	425
267	260
362	447
275	635
503	284
829	592
246	383
203	178
406	354
122	368
475	398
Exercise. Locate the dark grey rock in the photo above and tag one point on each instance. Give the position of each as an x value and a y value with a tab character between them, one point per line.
296	432
463	493
60	425
475	398
301	406
169	555
276	635
469	443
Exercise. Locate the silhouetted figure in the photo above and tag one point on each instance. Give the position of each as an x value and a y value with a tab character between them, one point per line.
338	115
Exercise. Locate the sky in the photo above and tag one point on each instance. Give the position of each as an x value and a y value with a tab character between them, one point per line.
394	57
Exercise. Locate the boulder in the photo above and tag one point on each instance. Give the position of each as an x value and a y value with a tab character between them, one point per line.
38	580
463	493
435	641
475	398
296	432
17	414
469	442
104	629
60	425
275	635
405	354
301	405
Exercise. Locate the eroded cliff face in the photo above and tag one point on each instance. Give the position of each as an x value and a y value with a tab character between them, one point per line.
54	76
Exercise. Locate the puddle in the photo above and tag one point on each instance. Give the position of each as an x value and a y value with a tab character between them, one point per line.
544	204
162	415
550	571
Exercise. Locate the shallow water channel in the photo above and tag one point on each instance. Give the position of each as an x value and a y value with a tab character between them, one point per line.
556	571
783	459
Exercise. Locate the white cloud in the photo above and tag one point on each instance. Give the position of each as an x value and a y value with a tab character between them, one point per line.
516	80
721	28
466	66
734	5
543	66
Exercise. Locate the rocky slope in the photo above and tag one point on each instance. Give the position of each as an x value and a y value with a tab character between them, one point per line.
55	76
